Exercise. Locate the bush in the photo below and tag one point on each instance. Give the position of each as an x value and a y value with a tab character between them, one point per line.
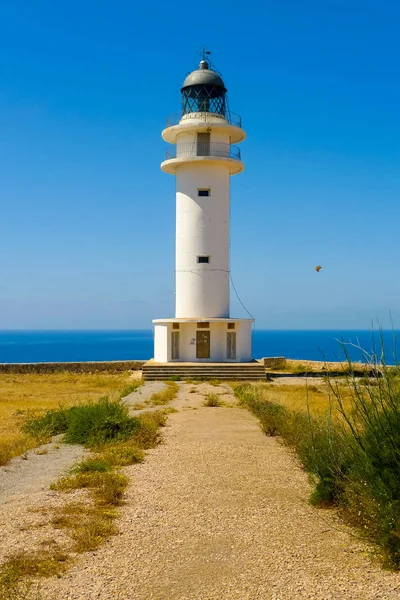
87	424
51	423
99	423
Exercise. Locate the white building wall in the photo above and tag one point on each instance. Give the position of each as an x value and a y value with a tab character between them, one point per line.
187	341
162	342
202	228
244	341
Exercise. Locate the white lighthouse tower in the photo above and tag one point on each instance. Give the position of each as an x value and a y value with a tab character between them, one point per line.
203	160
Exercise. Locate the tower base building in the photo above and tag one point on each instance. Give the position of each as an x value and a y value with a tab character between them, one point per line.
193	340
203	159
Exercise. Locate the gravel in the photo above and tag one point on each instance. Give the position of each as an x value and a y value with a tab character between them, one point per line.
220	512
25	498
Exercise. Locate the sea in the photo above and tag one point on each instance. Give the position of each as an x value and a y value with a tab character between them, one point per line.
107	345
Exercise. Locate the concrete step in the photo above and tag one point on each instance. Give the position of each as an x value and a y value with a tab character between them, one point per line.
224	371
211	372
250	372
205	368
222	378
206	373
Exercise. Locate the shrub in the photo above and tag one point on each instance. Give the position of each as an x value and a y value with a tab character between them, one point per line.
87	424
99	423
51	423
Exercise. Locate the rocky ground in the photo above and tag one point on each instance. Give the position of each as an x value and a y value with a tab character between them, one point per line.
217	511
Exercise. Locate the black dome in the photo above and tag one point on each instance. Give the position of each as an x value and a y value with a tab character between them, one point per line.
203	76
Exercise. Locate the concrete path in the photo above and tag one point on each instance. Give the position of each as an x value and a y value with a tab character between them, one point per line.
220	512
143	393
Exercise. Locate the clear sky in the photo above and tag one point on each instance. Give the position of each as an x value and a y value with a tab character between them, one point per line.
87	216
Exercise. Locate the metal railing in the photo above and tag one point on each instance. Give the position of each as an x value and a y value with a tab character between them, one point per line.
207	117
192	149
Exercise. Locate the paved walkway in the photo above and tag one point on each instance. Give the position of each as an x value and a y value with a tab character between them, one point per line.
220	512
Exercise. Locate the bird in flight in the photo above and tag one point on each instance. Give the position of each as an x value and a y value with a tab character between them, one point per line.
318	268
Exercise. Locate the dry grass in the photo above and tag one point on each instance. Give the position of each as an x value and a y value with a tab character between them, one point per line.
165	396
20	567
296	397
27	396
107	489
212	400
313	366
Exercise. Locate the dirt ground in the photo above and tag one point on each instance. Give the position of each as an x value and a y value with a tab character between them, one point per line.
220	512
217	511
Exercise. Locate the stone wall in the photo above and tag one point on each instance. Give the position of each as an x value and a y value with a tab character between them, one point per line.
274	362
75	367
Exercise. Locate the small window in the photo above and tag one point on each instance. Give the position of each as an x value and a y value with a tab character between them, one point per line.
204	325
204	192
203	259
231	325
175	325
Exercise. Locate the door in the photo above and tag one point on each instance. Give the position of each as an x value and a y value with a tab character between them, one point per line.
175	345
231	345
203	144
202	344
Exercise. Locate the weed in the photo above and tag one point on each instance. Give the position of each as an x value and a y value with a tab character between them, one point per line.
88	526
41	451
42	563
169	410
175	378
212	400
91	465
147	435
107	488
122	454
131	387
166	395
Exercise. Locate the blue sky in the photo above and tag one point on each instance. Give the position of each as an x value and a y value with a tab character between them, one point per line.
87	217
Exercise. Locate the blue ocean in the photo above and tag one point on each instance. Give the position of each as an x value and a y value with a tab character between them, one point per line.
71	346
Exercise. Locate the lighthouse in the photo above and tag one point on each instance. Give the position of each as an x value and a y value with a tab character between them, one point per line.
203	155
